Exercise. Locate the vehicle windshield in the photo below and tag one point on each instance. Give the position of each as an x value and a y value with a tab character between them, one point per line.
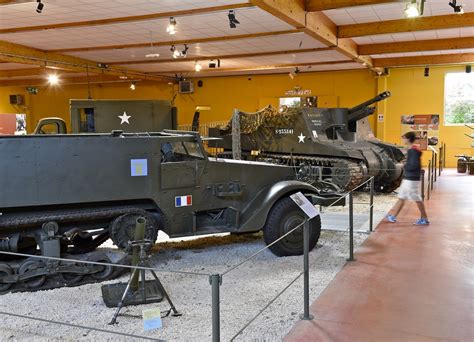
180	151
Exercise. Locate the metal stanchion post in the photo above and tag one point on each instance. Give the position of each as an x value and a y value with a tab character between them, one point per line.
371	215
435	166
431	177
215	281
306	315
351	228
440	162
423	184
444	155
428	188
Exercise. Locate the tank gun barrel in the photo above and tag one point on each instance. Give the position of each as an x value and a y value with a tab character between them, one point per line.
362	110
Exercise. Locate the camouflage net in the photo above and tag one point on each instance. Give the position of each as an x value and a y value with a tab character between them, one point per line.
267	118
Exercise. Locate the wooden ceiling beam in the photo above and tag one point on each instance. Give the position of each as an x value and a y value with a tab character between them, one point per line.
315	24
322	5
221	57
128	19
16	53
263	67
407	25
178	42
424	60
14	2
418	45
64	80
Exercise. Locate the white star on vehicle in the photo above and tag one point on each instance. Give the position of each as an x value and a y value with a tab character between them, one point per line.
124	118
301	138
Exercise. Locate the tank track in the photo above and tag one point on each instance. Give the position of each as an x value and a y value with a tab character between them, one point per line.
355	172
52	270
18	221
55	280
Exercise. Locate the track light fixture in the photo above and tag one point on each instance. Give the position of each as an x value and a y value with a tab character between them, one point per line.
179	54
293	73
171	29
457	8
174	51
185	51
133	85
427	72
468	69
232	20
39	7
414	8
197	66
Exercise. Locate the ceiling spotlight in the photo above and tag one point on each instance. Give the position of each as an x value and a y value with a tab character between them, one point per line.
53	79
133	85
468	69
427	72
175	52
171	29
39	7
457	8
185	51
197	66
232	20
414	8
293	73
212	64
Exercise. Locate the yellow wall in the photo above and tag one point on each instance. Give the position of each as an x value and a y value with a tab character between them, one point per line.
223	94
412	93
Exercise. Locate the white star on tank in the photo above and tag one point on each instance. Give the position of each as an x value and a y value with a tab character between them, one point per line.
124	118
301	138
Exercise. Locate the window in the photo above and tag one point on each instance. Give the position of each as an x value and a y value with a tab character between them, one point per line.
180	151
292	102
459	98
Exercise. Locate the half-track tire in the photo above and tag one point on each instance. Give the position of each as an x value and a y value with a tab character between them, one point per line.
122	229
283	217
5	270
32	264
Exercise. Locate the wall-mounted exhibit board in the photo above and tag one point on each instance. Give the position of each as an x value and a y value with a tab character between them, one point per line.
426	128
12	124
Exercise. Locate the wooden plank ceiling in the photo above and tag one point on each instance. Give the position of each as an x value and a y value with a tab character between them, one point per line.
103	40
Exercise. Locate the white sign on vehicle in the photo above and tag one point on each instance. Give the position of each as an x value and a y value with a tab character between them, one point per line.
301	201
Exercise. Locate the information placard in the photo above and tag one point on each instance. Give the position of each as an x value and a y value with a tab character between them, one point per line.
301	201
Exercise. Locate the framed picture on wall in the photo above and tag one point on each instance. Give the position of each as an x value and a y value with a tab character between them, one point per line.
426	127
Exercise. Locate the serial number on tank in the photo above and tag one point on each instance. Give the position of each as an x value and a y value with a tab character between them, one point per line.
284	131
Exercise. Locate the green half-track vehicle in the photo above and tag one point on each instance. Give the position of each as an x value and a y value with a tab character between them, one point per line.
70	193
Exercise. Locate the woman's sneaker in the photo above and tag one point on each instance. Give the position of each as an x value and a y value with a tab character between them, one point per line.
422	222
391	218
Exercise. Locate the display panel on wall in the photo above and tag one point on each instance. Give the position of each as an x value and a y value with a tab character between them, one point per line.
459	98
12	124
426	128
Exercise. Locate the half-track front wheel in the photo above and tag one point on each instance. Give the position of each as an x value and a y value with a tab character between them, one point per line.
122	229
283	217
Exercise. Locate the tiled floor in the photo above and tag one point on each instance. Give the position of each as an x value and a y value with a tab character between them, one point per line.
409	283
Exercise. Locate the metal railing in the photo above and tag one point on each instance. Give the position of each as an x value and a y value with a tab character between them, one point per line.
435	166
216	280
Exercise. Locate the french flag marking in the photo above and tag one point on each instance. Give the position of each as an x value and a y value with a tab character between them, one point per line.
183	201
